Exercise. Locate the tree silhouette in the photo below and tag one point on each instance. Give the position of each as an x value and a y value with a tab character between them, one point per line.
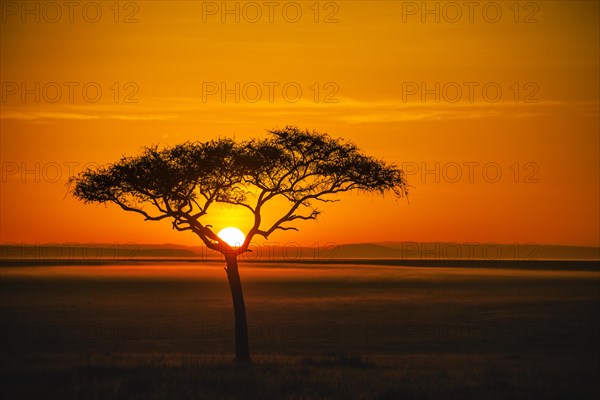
180	183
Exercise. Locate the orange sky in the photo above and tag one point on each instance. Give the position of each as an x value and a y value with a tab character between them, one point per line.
366	61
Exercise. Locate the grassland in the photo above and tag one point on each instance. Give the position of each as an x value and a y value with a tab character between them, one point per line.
337	331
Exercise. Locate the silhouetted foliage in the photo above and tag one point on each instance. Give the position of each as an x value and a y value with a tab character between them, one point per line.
180	183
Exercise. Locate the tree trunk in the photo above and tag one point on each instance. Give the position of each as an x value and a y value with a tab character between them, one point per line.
242	350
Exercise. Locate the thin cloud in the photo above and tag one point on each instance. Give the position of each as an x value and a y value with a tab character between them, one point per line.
347	110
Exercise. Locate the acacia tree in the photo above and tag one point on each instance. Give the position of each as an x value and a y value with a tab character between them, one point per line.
180	184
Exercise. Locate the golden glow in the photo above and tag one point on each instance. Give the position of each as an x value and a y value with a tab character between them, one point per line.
163	82
232	236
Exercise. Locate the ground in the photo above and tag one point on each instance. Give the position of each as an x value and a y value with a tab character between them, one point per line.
338	331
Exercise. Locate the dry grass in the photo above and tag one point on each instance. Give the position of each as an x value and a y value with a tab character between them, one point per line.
339	376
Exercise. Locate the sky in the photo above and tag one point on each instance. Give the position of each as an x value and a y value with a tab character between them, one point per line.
491	109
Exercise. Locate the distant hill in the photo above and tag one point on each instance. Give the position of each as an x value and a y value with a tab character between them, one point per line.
93	251
383	250
453	251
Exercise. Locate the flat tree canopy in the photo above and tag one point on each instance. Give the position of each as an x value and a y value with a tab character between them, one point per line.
180	183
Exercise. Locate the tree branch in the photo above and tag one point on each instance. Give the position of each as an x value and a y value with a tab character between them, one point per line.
147	216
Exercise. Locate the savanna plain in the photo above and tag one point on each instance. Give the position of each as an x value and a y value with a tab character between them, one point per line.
164	330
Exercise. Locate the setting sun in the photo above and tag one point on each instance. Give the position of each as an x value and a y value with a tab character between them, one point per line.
232	236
